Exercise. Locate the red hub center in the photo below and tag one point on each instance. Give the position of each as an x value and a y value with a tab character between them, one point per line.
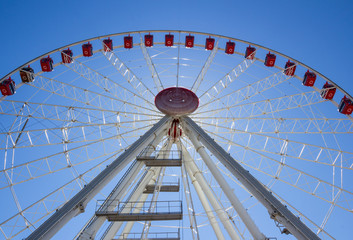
176	101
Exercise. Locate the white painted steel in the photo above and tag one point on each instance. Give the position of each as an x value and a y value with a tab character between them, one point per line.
228	191
151	177
62	216
275	207
201	183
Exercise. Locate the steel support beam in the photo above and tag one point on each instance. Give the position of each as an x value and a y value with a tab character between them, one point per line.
77	204
243	214
195	172
276	209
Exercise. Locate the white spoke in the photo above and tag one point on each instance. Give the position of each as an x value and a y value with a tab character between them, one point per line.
127	73
204	69
246	92
224	82
151	66
270	106
101	81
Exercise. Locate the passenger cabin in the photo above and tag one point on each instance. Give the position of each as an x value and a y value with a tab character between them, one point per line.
66	56
169	40
149	40
8	87
128	42
309	79
289	68
230	46
46	64
270	60
209	43
27	74
345	106
328	91
87	50
107	45
189	41
250	53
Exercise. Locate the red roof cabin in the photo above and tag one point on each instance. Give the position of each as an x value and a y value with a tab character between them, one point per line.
87	50
309	79
250	53
8	87
169	40
209	43
27	74
149	40
345	106
128	42
66	56
328	91
289	68
270	60
107	45
189	41
230	46
46	64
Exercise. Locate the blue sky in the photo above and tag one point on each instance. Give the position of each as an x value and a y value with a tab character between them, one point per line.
317	33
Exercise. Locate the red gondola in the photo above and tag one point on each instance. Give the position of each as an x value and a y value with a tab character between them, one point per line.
250	53
345	106
148	40
328	91
230	46
189	41
27	74
87	50
169	40
46	64
309	79
128	43
66	56
270	60
289	68
7	87
209	43
107	45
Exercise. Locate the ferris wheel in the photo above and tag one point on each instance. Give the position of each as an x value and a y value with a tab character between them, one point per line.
173	135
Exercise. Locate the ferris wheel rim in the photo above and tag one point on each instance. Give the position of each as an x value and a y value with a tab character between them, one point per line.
178	31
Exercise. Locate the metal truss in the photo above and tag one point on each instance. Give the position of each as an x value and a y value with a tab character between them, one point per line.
276	209
123	69
72	207
246	92
225	81
85	115
151	66
48	204
268	106
294	177
283	124
80	95
54	163
102	81
205	68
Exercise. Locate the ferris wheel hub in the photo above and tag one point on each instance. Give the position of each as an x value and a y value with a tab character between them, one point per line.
176	101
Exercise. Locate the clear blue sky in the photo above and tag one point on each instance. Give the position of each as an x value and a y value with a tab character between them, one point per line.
317	33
